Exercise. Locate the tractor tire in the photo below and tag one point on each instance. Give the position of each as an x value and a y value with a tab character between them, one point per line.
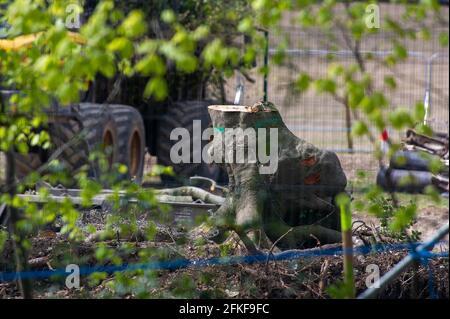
26	164
75	139
131	141
96	131
182	114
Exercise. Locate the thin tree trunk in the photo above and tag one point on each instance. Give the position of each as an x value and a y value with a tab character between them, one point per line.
348	126
20	252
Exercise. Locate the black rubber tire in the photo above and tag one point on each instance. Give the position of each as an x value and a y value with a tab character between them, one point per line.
76	139
96	125
131	140
26	164
75	156
182	114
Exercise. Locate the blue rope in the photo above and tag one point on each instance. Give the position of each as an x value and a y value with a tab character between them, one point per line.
221	261
424	257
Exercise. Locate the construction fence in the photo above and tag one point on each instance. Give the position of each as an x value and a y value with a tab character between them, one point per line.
423	76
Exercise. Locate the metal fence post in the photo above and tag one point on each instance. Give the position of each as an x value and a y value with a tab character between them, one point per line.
429	79
404	264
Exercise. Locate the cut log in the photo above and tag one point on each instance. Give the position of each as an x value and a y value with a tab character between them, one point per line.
193	192
277	181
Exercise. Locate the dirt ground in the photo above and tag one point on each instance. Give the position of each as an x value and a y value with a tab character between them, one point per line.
308	277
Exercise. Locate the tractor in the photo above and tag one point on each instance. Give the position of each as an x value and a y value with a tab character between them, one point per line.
113	114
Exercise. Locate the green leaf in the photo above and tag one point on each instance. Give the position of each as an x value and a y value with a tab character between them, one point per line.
108	70
43	63
134	24
390	82
379	99
35	140
366	104
91	229
157	88
168	16
425	34
200	33
246	25
431	4
260	4
443	39
419	112
96	277
341	290
335	70
303	82
424	129
187	64
147	46
400	119
151	64
435	165
400	52
324	15
356	97
403	217
122	45
214	53
359	128
325	85
122	169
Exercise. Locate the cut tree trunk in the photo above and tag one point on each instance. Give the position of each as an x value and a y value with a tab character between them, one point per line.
292	206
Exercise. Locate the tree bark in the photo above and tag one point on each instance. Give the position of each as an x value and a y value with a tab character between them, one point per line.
264	204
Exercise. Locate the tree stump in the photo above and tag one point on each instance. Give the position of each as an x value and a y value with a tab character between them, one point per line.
288	199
